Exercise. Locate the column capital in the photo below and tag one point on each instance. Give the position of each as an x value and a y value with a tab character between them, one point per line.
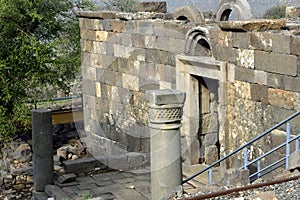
165	108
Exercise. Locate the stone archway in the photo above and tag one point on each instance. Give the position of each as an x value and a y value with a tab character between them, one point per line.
190	14
197	42
240	8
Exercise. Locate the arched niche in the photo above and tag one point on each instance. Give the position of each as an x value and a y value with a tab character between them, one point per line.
234	10
197	42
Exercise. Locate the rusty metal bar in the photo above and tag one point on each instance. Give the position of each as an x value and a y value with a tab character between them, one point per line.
233	190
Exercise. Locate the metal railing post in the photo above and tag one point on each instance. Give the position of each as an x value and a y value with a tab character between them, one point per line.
258	169
297	145
288	135
210	176
245	157
165	114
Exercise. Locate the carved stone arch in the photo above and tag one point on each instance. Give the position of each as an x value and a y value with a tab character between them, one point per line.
197	42
188	13
226	7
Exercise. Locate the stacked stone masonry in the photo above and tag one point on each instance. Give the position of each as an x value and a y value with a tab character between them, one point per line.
124	57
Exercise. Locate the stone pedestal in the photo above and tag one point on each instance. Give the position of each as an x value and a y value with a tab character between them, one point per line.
165	112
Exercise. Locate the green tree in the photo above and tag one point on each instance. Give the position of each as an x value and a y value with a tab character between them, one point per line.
276	12
121	5
39	49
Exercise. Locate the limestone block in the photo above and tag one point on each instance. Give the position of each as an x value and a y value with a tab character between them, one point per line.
281	43
130	82
101	36
225	54
242	89
138	40
211	154
259	93
210	139
281	98
275	80
225	38
86	45
244	74
260	77
245	58
210	123
177	45
294	160
62	152
261	41
236	177
88	87
163	43
87	34
297	101
291	83
295	42
99	47
150	41
277	63
293	11
159	7
118	26
118	162
89	73
126	39
241	40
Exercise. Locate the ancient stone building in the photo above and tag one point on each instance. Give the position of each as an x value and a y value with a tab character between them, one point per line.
240	78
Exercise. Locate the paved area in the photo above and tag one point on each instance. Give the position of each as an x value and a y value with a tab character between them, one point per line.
108	186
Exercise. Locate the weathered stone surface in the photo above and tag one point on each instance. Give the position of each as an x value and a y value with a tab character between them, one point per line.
281	98
225	54
295	42
253	25
277	63
291	83
23	153
259	93
236	177
241	40
211	154
260	77
55	191
245	58
96	14
66	178
281	43
189	13
275	80
158	7
242	89
261	41
84	164
118	26
294	160
225	38
241	7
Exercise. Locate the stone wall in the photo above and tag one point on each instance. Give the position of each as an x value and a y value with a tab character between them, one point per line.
123	55
263	88
121	59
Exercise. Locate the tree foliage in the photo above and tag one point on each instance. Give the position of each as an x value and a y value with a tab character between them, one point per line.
39	49
121	5
276	12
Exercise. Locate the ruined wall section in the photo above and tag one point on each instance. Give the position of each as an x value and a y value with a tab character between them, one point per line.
263	84
121	59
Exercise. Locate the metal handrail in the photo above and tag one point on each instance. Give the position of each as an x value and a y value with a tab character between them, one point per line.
242	147
269	152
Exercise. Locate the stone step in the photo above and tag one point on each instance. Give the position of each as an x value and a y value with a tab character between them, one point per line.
55	192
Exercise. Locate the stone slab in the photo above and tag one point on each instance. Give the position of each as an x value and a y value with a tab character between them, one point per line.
294	161
253	25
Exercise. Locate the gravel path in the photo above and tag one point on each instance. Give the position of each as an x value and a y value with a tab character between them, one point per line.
284	191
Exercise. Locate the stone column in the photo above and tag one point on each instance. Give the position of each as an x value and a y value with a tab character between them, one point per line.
165	113
42	146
